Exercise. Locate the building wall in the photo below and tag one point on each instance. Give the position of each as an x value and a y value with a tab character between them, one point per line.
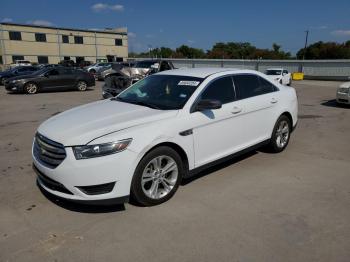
97	45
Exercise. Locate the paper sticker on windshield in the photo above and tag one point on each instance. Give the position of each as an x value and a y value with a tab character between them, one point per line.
188	83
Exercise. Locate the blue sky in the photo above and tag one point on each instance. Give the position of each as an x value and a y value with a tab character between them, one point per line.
194	23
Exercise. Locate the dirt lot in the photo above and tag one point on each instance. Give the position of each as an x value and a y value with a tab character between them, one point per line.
293	206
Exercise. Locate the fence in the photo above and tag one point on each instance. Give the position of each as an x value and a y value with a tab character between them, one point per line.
313	69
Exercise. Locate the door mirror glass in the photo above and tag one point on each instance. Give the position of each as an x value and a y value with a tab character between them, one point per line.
208	104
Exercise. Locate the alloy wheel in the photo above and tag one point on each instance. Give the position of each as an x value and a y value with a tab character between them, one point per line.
159	177
282	134
31	88
81	86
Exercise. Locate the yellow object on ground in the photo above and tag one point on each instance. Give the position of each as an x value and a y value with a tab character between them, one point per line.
298	76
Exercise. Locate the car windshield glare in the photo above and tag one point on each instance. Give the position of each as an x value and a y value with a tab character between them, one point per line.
144	64
164	92
273	72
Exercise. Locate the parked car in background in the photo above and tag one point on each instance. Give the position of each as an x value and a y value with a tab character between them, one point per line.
119	78
280	75
67	63
105	70
20	63
83	64
164	128
17	71
343	93
96	67
59	78
41	66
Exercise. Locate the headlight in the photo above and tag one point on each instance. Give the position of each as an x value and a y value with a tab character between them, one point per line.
89	151
16	81
343	90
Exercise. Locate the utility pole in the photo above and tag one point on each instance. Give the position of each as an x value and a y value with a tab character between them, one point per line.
306	38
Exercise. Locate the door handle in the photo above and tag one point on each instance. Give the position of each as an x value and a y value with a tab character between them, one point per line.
273	101
236	110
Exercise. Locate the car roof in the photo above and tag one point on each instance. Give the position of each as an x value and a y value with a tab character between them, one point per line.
275	68
202	72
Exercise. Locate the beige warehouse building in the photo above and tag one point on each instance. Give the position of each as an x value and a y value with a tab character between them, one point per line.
43	44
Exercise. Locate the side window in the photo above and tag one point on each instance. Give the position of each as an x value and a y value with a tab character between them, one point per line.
64	71
20	70
53	72
221	89
164	66
266	86
246	86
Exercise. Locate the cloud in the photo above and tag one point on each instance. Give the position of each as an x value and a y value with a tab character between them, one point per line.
149	36
341	32
131	35
40	23
7	20
191	41
99	7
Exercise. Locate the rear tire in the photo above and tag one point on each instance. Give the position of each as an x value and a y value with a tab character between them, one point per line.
157	176
280	135
31	88
81	85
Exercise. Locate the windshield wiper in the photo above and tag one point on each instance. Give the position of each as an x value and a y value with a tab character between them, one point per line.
140	103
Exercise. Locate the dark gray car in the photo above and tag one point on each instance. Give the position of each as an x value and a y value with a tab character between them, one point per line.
60	78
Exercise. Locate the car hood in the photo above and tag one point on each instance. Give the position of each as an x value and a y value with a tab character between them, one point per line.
22	77
81	125
274	77
5	74
345	85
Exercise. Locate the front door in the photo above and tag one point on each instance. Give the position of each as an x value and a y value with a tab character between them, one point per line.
215	131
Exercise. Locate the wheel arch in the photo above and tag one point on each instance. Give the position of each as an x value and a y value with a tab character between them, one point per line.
289	115
182	153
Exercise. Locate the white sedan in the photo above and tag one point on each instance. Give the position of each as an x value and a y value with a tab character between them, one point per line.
343	93
163	128
279	75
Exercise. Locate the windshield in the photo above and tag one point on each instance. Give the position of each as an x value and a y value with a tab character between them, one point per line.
164	92
144	64
42	71
273	72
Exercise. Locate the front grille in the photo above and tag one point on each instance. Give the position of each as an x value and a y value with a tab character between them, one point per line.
50	183
97	189
48	152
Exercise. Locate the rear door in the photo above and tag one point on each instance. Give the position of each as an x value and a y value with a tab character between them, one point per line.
68	77
256	100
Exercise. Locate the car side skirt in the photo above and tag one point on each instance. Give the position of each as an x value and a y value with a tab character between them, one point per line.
196	170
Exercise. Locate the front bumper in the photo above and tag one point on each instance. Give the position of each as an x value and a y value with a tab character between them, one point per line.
71	175
13	87
343	98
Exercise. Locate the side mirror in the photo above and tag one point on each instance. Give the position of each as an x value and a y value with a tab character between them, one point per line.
208	104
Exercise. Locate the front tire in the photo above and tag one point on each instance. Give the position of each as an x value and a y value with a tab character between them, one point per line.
31	88
157	176
280	135
81	86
